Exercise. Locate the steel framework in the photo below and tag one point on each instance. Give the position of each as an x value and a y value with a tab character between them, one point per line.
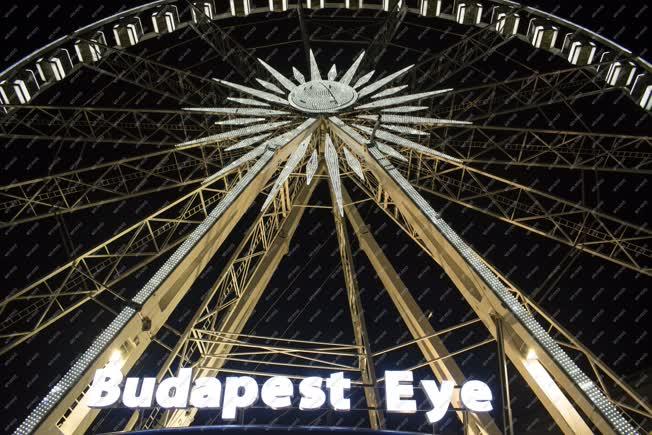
446	150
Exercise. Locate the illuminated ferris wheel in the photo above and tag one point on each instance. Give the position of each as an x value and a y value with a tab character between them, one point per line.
213	165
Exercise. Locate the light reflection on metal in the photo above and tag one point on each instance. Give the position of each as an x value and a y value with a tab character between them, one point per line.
402	99
333	166
311	167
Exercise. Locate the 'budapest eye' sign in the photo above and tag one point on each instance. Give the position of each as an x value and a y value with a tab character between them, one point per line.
277	392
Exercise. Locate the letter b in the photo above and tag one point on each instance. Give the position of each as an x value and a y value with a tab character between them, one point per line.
105	389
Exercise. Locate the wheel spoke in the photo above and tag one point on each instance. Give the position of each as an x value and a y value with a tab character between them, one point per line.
30	310
586	229
109	182
103	124
156	77
516	95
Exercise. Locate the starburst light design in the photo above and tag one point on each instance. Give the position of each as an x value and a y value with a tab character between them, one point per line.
267	118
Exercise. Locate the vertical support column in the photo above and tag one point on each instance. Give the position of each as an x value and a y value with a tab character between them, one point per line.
508	426
485	294
357	317
433	349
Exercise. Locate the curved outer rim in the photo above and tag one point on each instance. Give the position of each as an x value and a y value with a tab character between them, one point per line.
568	25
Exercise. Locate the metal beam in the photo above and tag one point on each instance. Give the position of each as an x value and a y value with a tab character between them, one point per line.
63	406
433	348
30	310
103	124
483	291
376	48
236	292
487	145
515	95
229	50
156	77
109	182
586	229
305	35
459	56
366	364
480	145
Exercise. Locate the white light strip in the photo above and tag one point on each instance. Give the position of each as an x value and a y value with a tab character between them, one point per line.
245	131
348	75
270	86
391	152
311	167
294	159
248	142
333	166
353	163
419	120
382	82
314	69
389	91
402	99
404	109
248	101
332	73
298	76
406	143
245	111
284	81
364	79
240	121
236	163
255	92
404	129
564	362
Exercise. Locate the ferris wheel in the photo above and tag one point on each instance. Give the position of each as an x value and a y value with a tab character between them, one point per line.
212	160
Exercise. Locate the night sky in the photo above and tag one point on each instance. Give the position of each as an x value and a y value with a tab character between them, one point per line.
606	306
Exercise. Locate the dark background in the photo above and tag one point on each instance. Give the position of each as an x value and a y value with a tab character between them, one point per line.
604	305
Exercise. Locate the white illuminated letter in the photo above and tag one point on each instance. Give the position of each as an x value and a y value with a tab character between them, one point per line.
396	389
476	396
232	397
132	399
312	396
105	389
439	398
173	392
336	384
277	391
206	393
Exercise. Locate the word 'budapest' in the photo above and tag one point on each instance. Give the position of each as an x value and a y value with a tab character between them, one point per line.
240	392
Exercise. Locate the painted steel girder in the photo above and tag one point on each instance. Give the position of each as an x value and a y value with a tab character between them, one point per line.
156	77
586	229
109	182
480	145
45	301
228	49
367	370
236	292
488	297
459	56
98	124
515	95
392	21
625	397
156	300
544	387
433	349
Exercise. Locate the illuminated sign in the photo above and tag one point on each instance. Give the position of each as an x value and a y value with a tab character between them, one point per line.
241	392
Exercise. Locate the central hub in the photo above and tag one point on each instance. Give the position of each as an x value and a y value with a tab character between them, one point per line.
322	96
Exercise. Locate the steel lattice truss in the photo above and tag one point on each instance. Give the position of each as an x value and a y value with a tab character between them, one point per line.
266	136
